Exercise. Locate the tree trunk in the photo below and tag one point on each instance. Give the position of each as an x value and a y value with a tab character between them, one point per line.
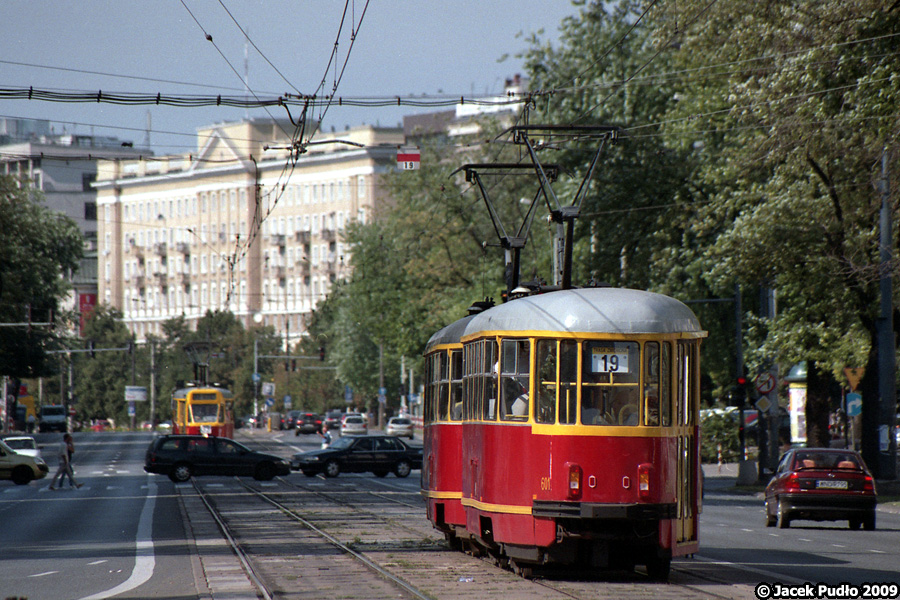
819	391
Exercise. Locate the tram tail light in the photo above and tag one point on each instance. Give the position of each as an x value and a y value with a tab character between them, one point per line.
576	475
645	471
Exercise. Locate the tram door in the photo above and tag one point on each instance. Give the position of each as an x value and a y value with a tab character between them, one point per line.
686	364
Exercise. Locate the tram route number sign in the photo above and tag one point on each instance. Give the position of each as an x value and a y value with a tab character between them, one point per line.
609	362
408	159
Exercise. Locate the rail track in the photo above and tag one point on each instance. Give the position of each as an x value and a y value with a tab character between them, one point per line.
364	537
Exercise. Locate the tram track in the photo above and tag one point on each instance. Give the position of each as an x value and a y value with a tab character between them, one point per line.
302	540
357	536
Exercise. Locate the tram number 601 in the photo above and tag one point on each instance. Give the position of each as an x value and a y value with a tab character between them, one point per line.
545	484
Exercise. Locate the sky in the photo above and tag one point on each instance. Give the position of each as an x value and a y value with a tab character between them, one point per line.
401	48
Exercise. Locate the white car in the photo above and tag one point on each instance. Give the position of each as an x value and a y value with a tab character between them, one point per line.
24	444
400	426
20	468
354	425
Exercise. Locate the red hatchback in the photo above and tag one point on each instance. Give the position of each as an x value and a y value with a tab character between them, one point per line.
821	484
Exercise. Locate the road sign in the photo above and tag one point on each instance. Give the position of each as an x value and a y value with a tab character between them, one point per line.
270	401
853	376
288	403
348	394
763	404
268	388
765	382
854	405
135	393
256	378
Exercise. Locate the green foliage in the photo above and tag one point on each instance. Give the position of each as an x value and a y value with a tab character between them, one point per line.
719	439
38	248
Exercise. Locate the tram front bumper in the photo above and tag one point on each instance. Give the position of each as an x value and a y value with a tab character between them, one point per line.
589	510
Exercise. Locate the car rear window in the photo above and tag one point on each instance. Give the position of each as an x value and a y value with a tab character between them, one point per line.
826	460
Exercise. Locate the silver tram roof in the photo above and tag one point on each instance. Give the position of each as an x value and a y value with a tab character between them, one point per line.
590	310
449	334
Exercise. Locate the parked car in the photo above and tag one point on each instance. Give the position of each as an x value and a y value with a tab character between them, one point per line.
20	468
183	456
309	423
401	426
23	444
378	454
821	484
354	425
333	419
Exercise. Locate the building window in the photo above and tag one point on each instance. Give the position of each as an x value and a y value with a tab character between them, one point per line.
86	180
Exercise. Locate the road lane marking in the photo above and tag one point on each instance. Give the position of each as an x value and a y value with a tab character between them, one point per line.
144	556
44	574
97	562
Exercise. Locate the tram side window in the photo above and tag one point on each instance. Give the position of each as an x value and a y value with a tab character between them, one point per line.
610	383
456	385
657	384
489	376
514	379
568	381
686	367
547	382
204	413
430	383
443	389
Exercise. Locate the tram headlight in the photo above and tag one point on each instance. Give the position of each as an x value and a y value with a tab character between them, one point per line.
576	475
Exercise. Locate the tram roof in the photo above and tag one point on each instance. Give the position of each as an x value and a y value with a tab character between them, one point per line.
450	334
590	310
183	392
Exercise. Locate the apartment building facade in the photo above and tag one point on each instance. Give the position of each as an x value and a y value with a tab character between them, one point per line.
242	225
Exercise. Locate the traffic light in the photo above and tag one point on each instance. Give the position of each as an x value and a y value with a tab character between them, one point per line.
91	347
322	353
739	393
293	364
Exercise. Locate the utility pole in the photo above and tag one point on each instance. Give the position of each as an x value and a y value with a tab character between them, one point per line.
152	384
879	445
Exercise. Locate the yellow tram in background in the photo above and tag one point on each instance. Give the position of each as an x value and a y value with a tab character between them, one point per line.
206	410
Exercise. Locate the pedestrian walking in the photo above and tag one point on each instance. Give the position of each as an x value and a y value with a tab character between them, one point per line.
65	464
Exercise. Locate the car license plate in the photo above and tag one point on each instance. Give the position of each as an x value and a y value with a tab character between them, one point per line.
831	484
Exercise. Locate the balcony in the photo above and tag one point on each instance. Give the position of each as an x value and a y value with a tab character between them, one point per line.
302	237
277	239
160	249
303	267
139	281
183	247
328	235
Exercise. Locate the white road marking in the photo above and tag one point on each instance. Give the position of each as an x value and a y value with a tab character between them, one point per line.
145	558
44	574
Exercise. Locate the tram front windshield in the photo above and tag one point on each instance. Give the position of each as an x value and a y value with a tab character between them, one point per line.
204	413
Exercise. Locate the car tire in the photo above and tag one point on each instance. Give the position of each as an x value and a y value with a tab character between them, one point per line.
309	473
332	469
402	469
264	472
381	473
784	519
869	521
181	472
22	475
854	523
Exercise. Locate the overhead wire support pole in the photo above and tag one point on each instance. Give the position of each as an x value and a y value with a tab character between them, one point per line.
564	215
512	245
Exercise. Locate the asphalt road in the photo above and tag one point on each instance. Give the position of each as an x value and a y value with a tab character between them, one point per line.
122	533
115	535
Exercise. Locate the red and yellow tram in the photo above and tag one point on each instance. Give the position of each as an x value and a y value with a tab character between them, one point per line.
206	410
578	441
442	467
